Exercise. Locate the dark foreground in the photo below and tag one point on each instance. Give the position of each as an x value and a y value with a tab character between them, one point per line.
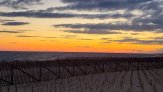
16	72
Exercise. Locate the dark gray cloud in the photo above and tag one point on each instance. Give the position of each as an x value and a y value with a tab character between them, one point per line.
27	36
18	3
151	18
102	4
7	31
80	4
15	23
128	39
36	14
92	32
41	14
150	42
109	26
4	20
31	36
138	41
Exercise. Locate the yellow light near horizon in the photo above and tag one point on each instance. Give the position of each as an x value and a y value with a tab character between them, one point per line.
71	45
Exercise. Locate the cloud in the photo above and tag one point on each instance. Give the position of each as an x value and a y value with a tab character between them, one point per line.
31	36
156	38
50	37
41	14
7	31
4	20
15	23
92	32
135	34
102	4
27	36
36	14
77	4
85	39
68	36
141	15
105	38
137	41
16	4
111	26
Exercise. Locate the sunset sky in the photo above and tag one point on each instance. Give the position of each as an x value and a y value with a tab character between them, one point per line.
117	26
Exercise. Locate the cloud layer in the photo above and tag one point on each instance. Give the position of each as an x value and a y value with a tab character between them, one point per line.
8	31
18	3
103	4
141	15
105	27
15	23
130	40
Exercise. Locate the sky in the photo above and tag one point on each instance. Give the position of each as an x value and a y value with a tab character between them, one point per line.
114	26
